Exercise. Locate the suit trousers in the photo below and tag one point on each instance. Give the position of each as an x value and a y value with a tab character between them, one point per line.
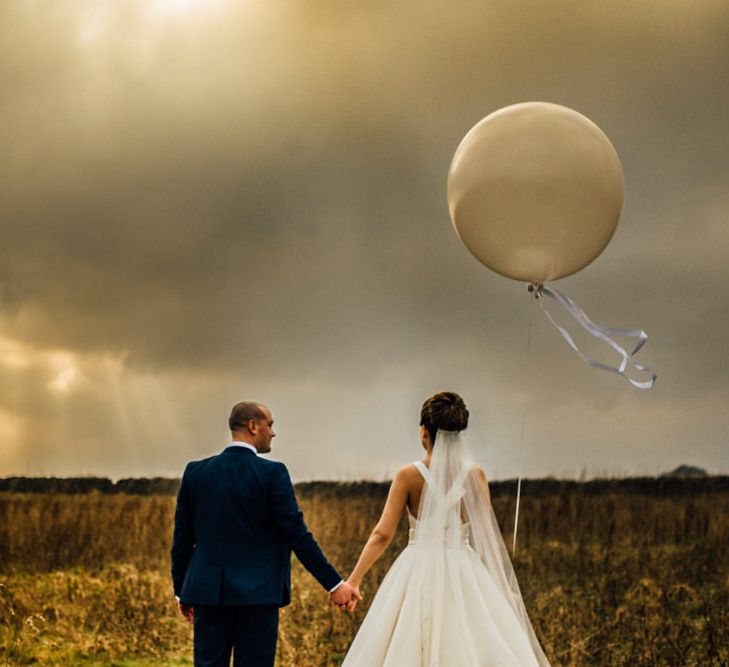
250	632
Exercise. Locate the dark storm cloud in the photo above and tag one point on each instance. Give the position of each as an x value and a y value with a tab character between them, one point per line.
260	190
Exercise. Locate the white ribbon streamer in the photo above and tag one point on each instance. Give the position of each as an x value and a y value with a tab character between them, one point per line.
602	333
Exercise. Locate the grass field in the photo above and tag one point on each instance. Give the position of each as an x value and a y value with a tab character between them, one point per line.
609	578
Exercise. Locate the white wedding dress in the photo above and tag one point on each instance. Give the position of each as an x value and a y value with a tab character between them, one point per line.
450	598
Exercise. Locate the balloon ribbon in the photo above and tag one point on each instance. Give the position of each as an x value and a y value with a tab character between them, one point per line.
602	333
523	424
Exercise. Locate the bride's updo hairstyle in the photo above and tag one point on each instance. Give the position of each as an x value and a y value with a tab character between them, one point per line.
445	411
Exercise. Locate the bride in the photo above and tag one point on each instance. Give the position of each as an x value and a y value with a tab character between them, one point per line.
451	598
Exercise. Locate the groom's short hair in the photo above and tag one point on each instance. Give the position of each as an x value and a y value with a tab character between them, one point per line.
242	413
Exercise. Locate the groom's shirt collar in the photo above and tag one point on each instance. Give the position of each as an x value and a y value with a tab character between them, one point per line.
238	443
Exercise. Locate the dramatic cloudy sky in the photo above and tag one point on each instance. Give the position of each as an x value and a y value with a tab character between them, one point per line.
208	201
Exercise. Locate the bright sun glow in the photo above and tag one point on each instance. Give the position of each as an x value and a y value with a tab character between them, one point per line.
63	380
12	354
66	372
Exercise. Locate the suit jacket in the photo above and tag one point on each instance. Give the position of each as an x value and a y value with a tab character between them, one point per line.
236	523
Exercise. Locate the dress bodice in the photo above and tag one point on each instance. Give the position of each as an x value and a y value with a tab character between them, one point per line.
455	536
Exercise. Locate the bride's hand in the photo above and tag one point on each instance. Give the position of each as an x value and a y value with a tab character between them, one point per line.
355	598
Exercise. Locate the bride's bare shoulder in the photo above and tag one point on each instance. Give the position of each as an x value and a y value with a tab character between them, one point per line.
408	475
479	472
408	471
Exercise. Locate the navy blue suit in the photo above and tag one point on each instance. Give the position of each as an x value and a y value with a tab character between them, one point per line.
236	523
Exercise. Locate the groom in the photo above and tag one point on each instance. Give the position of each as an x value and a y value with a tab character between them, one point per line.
236	523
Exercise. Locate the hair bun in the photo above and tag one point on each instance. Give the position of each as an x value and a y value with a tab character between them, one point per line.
445	411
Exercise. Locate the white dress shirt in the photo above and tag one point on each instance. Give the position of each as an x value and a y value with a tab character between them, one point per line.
240	443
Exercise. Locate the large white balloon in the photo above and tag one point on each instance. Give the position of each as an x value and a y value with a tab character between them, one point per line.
535	191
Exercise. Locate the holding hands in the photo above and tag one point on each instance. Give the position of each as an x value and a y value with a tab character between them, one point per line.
345	596
356	597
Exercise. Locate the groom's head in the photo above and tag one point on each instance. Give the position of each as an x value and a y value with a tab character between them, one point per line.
252	423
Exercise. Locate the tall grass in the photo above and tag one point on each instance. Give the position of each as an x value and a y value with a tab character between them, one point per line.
610	578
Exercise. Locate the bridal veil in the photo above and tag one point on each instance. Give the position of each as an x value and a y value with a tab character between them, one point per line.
454	508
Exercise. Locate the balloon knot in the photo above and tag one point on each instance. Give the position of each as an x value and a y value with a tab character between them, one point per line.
535	288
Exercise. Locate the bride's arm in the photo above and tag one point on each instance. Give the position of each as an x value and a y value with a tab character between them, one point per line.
384	531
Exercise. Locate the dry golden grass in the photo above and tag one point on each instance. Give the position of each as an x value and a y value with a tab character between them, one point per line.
609	579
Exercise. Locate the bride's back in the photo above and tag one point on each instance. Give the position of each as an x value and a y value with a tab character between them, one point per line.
415	484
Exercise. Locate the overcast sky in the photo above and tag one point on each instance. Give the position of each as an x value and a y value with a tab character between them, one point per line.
210	201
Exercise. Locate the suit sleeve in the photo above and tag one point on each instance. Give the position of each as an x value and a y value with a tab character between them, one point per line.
183	539
289	520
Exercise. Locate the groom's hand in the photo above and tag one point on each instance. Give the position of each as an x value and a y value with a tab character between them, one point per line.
187	611
343	595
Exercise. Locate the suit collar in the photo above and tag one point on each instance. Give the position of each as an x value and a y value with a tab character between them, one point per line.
241	447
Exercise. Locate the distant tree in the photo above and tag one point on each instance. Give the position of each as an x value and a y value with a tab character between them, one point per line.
684	480
55	484
686	471
144	486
